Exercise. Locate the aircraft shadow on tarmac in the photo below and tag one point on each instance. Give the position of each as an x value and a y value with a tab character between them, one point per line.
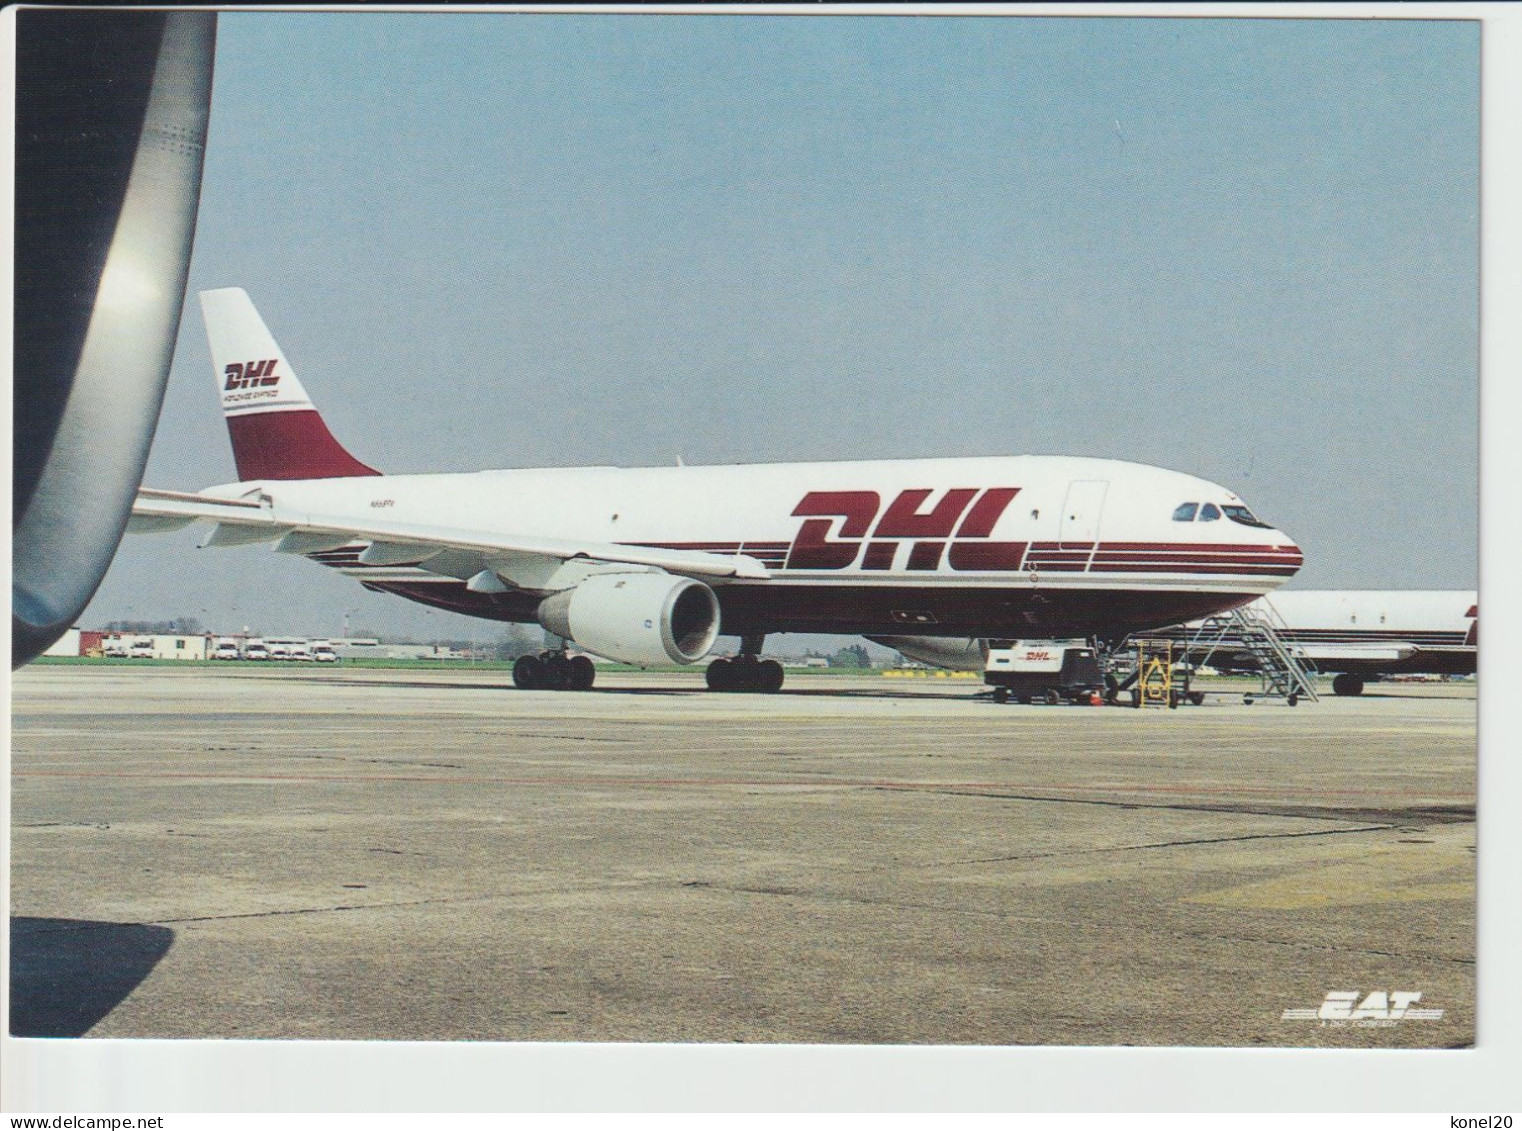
815	692
968	692
1390	693
67	974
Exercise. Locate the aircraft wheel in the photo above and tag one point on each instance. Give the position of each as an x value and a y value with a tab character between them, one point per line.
1053	697
768	676
1247	700
1346	684
1001	695
1292	699
528	673
720	675
582	673
1197	697
557	671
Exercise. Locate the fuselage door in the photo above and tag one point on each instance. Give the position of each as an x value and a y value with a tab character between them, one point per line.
1080	514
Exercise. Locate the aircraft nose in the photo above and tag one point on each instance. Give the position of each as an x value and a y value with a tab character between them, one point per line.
1286	553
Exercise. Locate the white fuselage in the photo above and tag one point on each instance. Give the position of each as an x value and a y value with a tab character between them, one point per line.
1442	615
1375	632
1033	545
1368	632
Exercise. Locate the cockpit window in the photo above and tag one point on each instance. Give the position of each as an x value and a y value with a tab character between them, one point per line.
1209	512
1245	517
1185	512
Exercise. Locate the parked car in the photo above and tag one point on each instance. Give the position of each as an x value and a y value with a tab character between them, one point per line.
226	650
141	649
323	653
256	650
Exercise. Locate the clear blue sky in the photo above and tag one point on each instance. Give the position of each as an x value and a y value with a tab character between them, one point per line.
1246	249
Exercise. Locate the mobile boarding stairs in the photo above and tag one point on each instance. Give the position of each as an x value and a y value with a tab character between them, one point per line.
1163	668
1283	673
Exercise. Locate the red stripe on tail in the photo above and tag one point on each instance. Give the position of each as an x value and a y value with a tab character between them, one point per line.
289	445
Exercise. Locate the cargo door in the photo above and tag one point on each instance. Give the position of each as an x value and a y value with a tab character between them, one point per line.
1080	514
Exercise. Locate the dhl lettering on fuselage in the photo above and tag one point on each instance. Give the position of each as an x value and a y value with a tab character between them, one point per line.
956	529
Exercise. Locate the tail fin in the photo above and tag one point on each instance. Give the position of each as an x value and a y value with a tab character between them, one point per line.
275	431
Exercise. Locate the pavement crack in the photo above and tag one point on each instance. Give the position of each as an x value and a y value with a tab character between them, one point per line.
1433	814
571	737
1070	924
255	914
65	825
373	761
1159	844
1332	948
381	906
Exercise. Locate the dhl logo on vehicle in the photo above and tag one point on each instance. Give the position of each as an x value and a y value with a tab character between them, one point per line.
956	529
251	374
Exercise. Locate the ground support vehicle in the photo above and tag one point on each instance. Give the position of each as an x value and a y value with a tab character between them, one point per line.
1046	671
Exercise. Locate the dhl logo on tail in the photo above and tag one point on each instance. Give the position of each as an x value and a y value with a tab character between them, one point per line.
251	374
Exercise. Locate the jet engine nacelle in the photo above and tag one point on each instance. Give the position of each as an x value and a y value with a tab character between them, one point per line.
636	618
958	653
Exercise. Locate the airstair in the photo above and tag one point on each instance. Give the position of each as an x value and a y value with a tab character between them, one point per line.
1254	631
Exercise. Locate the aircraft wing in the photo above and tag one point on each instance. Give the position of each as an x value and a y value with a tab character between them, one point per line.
1393	652
525	561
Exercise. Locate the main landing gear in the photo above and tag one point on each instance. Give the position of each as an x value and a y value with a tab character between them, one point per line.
553	671
1346	684
747	671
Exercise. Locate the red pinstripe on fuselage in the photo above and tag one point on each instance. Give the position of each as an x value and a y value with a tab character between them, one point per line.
997	546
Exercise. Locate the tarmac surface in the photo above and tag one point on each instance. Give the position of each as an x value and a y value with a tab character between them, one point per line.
368	854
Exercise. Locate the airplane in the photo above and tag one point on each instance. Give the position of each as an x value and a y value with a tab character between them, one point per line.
1363	634
1358	634
649	565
